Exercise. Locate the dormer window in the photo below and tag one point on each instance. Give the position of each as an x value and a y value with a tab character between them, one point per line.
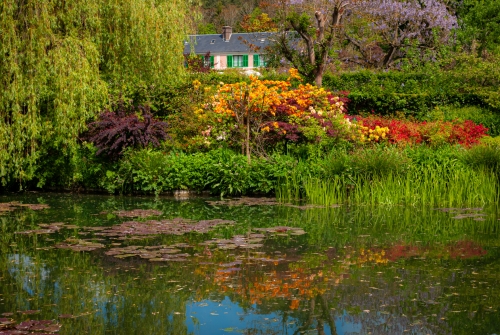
262	40
212	42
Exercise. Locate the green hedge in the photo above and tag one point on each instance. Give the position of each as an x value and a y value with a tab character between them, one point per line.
412	94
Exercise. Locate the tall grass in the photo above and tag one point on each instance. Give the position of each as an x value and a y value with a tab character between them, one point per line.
434	186
447	184
290	188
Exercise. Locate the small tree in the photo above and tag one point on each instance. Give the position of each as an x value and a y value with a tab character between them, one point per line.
123	127
317	25
266	111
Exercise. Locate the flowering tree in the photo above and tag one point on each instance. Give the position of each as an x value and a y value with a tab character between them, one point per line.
257	22
380	30
398	25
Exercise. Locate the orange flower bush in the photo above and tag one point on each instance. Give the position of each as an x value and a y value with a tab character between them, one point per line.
260	113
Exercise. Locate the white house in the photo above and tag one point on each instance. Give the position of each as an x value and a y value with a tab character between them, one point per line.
228	50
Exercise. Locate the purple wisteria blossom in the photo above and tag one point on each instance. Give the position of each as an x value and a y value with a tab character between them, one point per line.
399	24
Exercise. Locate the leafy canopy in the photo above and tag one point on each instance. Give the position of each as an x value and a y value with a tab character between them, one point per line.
60	60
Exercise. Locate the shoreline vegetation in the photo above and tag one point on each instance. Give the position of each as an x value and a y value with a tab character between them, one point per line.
280	137
443	177
283	138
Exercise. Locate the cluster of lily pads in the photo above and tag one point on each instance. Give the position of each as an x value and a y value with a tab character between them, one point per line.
464	213
99	237
253	201
13	205
9	326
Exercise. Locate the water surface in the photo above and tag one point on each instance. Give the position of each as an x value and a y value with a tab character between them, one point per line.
93	267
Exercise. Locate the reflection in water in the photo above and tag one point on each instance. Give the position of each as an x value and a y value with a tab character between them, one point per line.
356	270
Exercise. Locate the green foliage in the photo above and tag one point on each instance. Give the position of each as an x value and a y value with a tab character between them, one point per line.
379	162
446	176
480	24
485	157
141	42
207	28
220	172
467	81
49	74
59	61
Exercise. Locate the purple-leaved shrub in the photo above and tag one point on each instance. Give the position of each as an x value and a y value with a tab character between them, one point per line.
123	127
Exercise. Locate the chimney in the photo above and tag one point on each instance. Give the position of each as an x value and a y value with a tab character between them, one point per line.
226	33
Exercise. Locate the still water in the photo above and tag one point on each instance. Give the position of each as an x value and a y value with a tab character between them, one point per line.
76	264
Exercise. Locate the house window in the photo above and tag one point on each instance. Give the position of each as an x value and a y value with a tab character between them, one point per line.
208	61
259	60
237	61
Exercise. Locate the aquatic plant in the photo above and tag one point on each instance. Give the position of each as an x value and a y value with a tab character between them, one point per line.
428	185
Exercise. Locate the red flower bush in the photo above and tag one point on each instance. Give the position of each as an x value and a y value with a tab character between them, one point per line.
465	133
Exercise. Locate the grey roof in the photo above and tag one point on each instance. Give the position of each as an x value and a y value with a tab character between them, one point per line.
214	43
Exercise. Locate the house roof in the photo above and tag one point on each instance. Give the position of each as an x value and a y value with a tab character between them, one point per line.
215	44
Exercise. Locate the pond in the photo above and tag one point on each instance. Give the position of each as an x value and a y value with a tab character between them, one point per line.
87	264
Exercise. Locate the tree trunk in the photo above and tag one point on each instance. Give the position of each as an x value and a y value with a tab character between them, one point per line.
389	56
318	78
248	137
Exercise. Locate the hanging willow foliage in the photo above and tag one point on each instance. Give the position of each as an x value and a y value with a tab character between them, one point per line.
58	60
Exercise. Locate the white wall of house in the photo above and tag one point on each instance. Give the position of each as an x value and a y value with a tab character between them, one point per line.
220	62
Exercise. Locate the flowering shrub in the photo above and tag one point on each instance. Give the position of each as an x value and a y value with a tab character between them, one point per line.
376	129
366	134
263	112
259	114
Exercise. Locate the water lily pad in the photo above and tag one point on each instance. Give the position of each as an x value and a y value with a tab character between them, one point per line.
227	246
79	245
148	255
169	251
141	230
142	213
245	201
6	322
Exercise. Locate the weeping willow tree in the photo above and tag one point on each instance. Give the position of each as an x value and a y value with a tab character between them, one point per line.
58	61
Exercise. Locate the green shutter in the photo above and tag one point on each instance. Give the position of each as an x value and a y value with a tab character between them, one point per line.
245	60
229	61
212	61
264	60
256	61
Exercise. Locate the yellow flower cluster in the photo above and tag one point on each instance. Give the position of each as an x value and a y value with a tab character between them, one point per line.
365	134
294	74
196	84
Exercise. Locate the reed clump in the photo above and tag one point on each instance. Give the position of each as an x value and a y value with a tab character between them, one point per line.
392	176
